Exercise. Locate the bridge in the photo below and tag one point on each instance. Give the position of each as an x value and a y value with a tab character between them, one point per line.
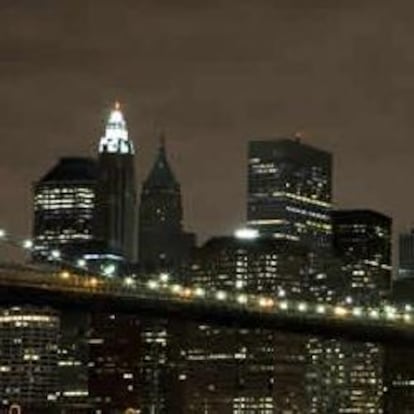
160	297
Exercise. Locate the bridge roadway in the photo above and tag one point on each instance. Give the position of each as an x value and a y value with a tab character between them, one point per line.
20	285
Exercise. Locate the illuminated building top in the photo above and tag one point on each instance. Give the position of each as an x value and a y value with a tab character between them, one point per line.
116	139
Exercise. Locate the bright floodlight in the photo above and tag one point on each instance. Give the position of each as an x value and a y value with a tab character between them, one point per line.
28	244
220	295
2	233
246	234
357	312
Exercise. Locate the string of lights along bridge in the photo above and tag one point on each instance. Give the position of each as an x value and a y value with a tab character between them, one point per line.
160	287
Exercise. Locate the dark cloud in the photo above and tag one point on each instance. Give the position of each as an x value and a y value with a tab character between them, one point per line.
215	74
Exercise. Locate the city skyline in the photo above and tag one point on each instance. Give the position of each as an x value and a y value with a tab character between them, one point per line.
211	96
199	204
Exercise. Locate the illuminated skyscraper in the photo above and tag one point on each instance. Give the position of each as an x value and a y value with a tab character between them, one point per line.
115	194
63	202
163	244
289	191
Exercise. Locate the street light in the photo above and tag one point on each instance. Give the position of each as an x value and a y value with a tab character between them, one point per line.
81	263
374	314
129	281
340	311
65	274
284	305
109	270
199	292
164	277
152	284
28	244
176	289
242	299
55	254
320	309
302	307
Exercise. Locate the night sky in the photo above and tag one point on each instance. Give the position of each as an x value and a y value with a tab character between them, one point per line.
214	74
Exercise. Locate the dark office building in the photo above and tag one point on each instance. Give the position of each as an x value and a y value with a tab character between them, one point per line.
232	370
114	362
127	359
163	244
362	240
289	191
406	256
115	222
236	371
63	201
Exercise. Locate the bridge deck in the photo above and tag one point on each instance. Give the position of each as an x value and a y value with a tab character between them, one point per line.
20	286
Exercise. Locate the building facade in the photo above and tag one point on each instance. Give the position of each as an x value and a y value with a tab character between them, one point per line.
406	255
362	240
290	191
232	370
115	223
127	363
163	244
29	357
263	265
64	202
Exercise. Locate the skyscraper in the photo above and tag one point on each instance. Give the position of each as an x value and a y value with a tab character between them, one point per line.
63	201
289	191
115	222
163	244
362	240
28	358
233	370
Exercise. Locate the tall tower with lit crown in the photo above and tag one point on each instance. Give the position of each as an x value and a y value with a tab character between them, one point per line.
115	194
